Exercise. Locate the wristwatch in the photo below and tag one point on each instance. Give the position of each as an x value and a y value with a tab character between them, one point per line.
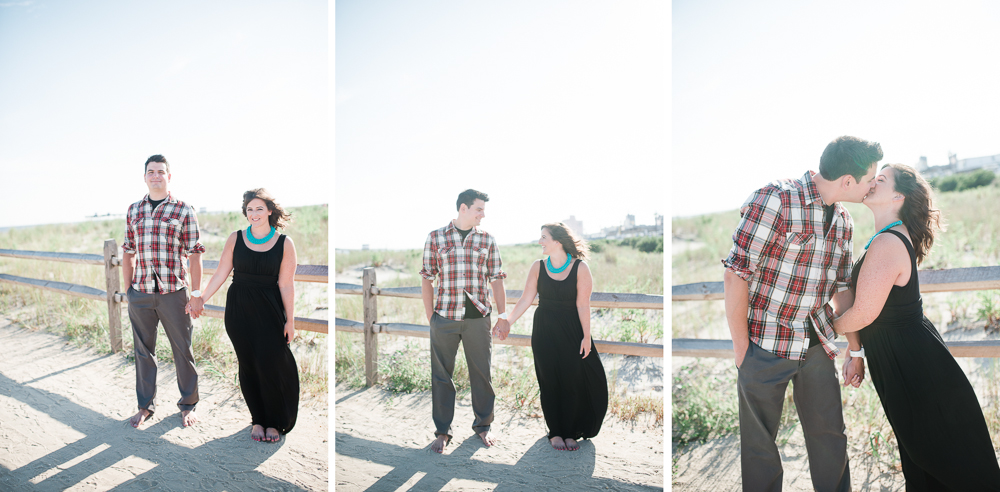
859	353
502	316
195	293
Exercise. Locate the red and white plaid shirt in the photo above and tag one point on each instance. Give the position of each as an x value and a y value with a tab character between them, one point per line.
160	240
465	268
793	270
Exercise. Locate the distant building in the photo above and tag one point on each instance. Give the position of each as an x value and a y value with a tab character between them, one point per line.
630	229
575	225
203	210
956	165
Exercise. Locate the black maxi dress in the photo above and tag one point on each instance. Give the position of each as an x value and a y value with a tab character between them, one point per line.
255	321
944	443
573	391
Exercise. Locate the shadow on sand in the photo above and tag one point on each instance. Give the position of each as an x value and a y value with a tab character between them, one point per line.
226	463
538	461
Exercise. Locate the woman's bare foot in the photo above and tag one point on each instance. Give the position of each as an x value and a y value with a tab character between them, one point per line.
557	443
438	445
571	444
188	418
137	419
272	435
257	433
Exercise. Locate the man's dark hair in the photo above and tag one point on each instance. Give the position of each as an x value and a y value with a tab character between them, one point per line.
156	158
849	155
468	197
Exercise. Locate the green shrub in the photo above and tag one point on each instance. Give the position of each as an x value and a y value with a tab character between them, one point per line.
966	181
945	183
651	244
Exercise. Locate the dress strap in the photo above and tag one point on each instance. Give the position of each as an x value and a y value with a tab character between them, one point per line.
576	266
912	283
906	241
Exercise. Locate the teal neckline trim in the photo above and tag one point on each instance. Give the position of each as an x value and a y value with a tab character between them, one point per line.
886	228
259	241
548	261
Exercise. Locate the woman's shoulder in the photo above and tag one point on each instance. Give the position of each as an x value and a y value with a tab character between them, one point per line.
888	246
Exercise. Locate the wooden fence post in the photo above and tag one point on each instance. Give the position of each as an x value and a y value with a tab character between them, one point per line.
371	338
113	286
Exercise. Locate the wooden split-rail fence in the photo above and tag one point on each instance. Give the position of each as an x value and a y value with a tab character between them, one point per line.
951	280
115	298
370	292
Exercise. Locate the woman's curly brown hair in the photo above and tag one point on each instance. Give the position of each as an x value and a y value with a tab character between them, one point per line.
918	213
279	218
572	244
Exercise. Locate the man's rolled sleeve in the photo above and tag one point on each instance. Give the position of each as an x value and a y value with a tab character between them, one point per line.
190	235
758	225
430	264
844	269
493	263
128	246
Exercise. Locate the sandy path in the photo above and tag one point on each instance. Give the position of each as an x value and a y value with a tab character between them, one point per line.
715	465
64	426
383	443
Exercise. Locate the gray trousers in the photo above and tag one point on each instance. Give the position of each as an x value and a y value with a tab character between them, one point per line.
763	378
145	311
478	344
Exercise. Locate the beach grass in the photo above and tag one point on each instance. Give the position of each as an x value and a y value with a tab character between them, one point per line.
404	364
703	390
85	322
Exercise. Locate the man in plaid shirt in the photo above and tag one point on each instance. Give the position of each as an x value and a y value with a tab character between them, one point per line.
161	232
786	277
464	258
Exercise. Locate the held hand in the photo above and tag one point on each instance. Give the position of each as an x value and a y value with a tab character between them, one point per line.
289	331
501	329
195	307
585	347
854	370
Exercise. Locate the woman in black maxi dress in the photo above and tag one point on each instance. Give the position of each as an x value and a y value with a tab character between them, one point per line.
944	443
256	319
571	381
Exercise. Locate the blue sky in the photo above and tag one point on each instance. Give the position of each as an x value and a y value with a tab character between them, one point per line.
760	88
553	108
234	94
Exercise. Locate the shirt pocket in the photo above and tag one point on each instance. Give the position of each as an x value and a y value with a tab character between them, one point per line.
171	230
447	259
479	257
797	243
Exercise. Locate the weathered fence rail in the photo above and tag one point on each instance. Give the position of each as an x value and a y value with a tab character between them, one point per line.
115	299
370	291
950	280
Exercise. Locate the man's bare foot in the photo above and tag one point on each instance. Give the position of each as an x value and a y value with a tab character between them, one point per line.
272	435
488	438
188	418
257	433
557	443
438	445
137	419
571	444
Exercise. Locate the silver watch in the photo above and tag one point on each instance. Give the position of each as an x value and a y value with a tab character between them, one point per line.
195	293
502	316
859	353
